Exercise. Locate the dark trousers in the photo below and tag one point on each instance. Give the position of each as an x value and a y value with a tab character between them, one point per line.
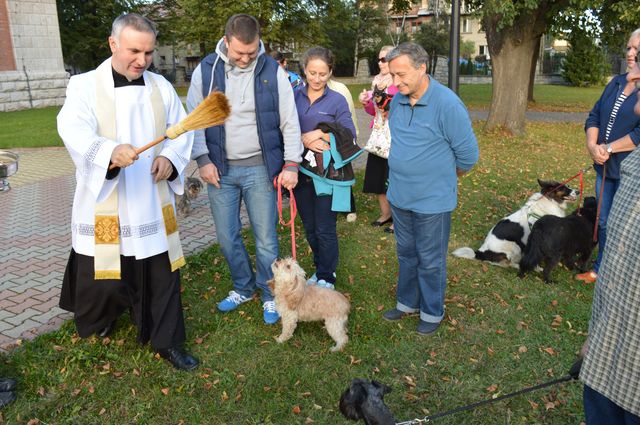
148	288
599	410
320	228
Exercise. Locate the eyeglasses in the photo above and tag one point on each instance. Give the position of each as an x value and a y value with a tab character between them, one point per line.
382	59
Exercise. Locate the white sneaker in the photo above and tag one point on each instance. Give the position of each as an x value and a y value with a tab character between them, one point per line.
232	301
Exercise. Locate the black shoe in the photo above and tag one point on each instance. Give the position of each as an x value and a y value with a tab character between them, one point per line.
107	330
7	384
382	223
7	397
389	230
179	358
394	314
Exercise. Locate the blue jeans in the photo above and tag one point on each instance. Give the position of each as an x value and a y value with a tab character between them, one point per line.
319	223
599	410
422	241
252	185
609	191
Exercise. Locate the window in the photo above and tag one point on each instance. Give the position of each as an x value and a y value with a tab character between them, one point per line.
483	50
466	25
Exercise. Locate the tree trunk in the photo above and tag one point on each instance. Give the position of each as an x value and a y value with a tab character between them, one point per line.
511	74
534	65
512	49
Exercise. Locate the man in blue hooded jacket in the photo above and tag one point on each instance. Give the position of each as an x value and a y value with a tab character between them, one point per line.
240	159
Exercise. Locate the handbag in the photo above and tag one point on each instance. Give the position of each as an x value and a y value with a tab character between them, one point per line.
379	142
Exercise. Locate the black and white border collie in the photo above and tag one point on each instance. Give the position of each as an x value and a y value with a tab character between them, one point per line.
505	242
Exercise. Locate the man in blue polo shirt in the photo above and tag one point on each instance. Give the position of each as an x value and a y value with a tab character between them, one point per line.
432	143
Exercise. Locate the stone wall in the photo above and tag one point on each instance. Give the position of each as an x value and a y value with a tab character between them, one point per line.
39	78
32	89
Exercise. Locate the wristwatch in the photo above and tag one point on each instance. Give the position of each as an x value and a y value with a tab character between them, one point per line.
609	148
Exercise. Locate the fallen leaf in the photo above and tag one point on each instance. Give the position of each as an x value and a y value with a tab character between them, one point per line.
380	308
225	396
351	279
490	351
308	421
549	351
533	404
296	410
198	341
165	391
33	422
58	348
410	380
306	394
485	268
354	360
492	388
102	411
41	391
549	405
522	349
554	303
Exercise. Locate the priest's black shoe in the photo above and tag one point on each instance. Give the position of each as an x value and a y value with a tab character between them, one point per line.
107	330
7	384
179	358
7	397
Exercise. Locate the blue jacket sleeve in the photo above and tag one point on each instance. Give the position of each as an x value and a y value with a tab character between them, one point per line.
343	116
459	132
593	120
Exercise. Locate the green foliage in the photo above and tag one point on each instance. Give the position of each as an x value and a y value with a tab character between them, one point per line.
467	48
85	26
435	40
282	22
585	64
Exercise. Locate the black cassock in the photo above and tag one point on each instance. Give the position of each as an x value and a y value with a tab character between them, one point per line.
148	288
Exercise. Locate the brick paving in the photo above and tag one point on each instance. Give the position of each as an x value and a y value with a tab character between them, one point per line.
35	240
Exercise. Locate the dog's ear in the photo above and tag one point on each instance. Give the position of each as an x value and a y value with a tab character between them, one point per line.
294	295
351	401
384	389
272	284
546	185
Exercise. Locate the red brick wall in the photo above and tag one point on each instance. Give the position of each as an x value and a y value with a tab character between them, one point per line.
7	61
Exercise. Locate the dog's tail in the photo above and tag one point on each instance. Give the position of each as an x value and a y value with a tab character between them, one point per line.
498	258
532	254
465	252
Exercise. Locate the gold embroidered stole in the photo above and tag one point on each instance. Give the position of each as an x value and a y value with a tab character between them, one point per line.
107	224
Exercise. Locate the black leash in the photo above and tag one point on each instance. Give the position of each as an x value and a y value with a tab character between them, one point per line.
574	372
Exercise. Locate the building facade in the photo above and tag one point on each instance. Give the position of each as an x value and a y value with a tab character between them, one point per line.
32	73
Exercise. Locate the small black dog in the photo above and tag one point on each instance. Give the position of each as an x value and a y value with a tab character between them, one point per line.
381	98
365	400
554	239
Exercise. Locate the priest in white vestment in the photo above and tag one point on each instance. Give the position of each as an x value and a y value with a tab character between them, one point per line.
126	249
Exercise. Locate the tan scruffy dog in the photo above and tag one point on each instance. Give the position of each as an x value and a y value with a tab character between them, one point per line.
298	302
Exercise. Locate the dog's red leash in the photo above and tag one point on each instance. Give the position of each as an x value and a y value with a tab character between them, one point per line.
581	175
293	209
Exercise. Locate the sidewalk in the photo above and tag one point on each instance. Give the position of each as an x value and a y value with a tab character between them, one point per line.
35	240
35	235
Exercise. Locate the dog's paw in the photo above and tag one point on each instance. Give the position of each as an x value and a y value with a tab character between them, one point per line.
280	339
336	348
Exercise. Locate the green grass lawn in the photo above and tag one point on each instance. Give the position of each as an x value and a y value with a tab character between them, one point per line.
500	333
547	97
31	128
37	127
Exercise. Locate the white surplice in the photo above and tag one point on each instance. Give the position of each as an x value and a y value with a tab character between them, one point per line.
142	232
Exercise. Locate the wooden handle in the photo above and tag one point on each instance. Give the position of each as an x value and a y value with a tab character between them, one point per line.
144	148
